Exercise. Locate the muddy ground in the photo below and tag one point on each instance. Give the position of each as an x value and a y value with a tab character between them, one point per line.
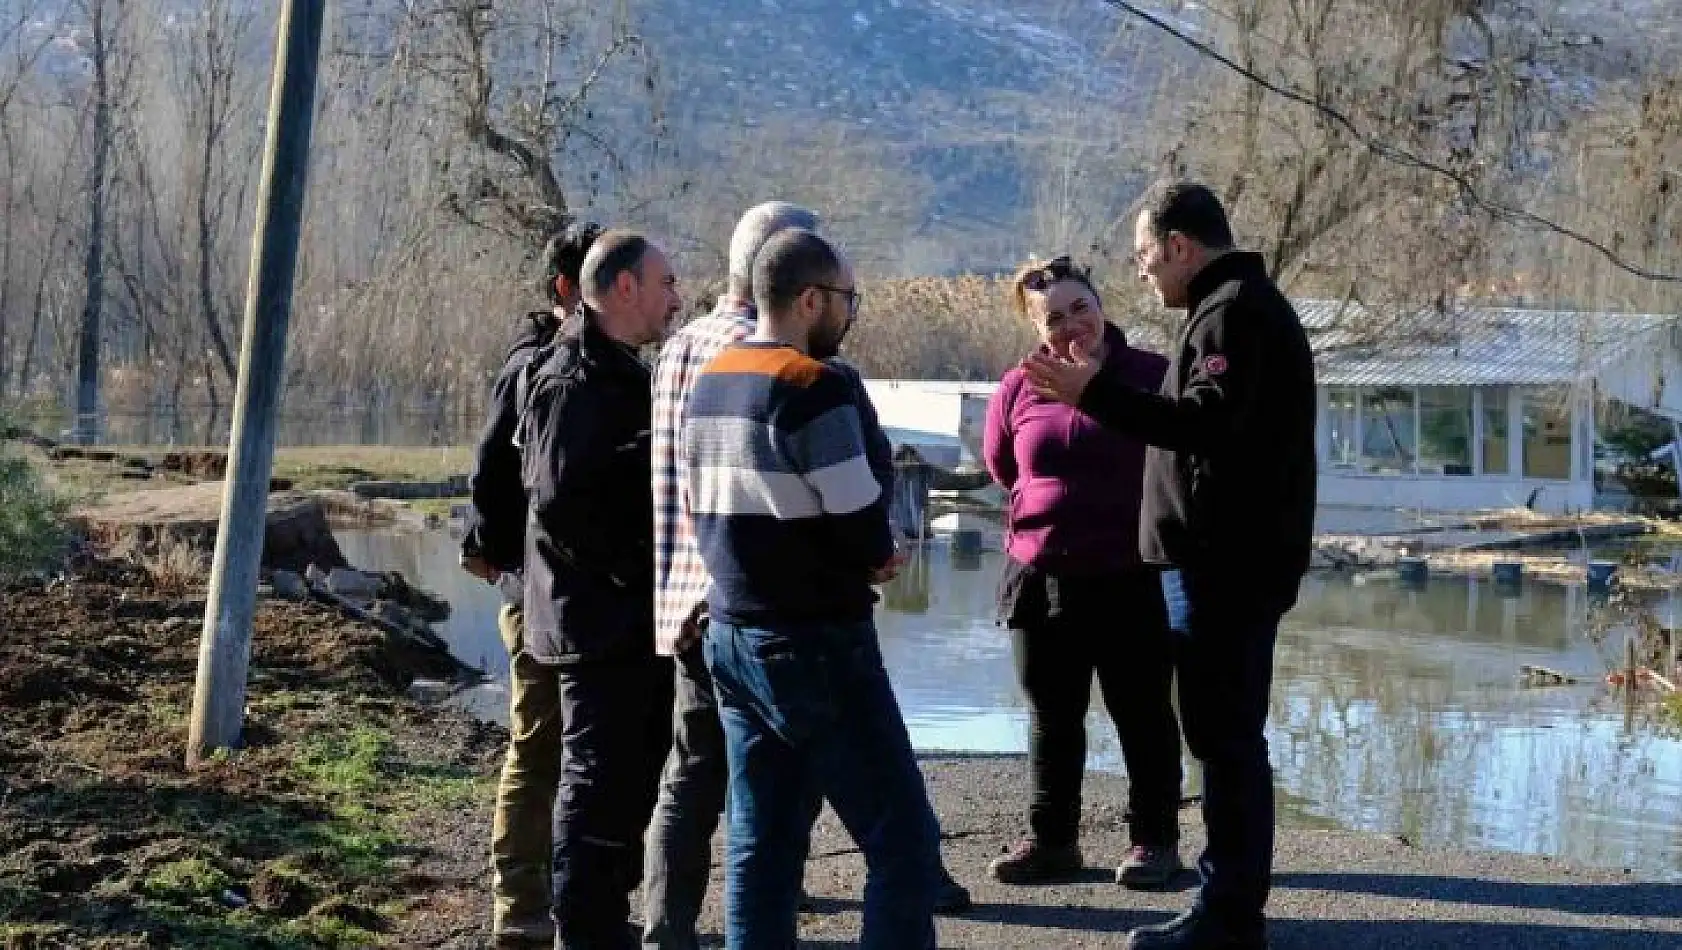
350	819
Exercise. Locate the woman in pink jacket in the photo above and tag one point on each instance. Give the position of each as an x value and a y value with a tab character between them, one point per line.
1076	596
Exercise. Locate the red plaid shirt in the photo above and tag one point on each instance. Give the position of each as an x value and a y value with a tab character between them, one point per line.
680	578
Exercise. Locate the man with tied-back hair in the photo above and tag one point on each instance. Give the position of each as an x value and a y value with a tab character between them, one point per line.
493	549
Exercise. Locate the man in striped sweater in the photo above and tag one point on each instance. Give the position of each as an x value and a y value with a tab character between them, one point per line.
793	529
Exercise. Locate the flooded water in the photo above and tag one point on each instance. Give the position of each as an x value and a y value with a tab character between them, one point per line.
1394	711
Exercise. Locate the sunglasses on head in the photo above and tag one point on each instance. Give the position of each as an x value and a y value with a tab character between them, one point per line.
1055	270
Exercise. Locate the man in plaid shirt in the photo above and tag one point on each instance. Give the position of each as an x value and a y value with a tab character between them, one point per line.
693	787
692	791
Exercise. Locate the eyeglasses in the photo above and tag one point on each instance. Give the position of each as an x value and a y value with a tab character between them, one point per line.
1055	270
853	298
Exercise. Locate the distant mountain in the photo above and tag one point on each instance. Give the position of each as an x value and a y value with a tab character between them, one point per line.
948	87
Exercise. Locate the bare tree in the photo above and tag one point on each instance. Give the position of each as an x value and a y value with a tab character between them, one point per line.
101	30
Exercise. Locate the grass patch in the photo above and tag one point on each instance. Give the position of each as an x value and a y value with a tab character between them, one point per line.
345	763
26	935
362	765
437	507
337	466
1673	709
328	932
32	530
241	929
308	468
187	880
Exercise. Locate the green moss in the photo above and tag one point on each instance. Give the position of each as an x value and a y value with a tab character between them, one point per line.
185	880
344	763
245	928
329	932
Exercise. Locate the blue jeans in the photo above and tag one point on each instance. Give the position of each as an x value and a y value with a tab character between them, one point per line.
809	714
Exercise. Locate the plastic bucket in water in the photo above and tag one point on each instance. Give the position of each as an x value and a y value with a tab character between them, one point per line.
1413	571
1509	575
1601	573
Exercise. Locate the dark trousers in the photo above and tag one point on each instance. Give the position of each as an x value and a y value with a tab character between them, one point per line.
1225	662
1063	631
692	792
618	728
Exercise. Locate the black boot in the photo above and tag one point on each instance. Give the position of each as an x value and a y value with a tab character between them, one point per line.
1197	929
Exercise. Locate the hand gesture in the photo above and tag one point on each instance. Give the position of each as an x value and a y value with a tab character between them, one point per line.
694	626
479	567
890	570
1061	379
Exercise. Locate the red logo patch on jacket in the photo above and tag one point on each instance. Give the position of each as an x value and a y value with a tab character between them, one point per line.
1214	364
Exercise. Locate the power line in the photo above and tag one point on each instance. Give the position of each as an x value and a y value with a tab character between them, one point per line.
1398	154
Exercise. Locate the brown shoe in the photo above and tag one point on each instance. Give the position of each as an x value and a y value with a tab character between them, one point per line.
1033	863
1146	867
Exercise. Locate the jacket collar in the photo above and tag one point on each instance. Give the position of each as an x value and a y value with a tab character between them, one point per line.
597	347
1233	265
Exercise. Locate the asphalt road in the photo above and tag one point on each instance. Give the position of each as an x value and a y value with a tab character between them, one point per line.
1333	890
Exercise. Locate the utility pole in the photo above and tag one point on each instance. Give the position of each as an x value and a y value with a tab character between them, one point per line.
225	643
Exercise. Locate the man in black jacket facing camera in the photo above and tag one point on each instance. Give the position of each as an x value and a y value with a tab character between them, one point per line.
1229	510
584	436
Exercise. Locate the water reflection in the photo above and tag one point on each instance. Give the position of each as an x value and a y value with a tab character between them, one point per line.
1394	710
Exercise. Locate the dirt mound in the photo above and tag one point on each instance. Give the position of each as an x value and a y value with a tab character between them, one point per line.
295	841
204	464
297	533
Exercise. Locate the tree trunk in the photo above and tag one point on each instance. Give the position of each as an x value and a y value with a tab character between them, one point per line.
86	427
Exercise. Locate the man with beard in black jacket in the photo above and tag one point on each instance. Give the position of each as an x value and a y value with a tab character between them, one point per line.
585	443
493	548
1229	510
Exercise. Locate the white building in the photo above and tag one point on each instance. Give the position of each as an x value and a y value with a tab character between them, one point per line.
1481	408
1476	409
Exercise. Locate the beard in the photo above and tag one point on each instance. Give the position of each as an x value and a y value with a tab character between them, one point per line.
826	342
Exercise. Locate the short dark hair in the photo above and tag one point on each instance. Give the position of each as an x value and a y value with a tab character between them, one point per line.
563	254
613	253
790	262
1191	209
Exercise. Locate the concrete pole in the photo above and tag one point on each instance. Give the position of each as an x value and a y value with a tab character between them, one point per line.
225	643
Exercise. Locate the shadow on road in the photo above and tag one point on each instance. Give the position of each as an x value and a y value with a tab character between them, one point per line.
1609	900
1448	935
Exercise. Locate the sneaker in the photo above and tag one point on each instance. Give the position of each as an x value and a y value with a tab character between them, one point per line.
950	897
1196	930
1146	867
1033	863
